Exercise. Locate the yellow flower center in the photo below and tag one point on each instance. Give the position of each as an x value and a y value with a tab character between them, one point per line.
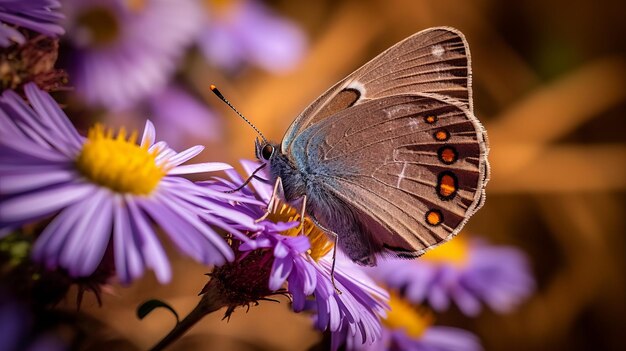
118	163
404	316
320	245
453	252
101	24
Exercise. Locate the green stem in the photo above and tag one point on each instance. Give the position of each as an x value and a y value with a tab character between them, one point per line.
211	301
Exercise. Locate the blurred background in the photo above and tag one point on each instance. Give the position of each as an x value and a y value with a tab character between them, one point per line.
549	83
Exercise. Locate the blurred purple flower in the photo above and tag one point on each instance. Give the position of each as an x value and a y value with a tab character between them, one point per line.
435	338
247	32
409	329
464	272
127	50
106	190
304	262
181	116
38	15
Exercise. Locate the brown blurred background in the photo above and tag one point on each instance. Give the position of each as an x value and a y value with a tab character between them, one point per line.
550	87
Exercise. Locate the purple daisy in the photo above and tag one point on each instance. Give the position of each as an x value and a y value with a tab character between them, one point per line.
42	16
410	329
304	263
240	32
105	191
127	50
464	272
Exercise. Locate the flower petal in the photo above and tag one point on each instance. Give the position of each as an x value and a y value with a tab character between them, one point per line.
149	135
199	168
39	204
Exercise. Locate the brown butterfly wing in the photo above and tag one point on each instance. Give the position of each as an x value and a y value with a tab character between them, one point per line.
413	166
433	61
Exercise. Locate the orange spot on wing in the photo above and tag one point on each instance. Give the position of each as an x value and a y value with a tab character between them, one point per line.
442	135
448	155
430	119
447	185
434	217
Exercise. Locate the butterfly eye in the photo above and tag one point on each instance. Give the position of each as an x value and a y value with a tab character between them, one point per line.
267	152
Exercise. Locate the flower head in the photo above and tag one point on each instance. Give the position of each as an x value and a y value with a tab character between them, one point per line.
104	192
245	31
42	16
407	328
32	62
304	263
127	50
462	271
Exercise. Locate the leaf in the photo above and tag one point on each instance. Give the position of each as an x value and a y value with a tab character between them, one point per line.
147	307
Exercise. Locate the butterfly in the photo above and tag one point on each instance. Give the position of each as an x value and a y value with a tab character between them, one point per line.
390	160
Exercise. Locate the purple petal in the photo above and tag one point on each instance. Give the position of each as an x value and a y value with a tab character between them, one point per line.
199	168
48	246
82	252
93	249
24	182
128	260
151	249
281	268
450	339
186	155
39	204
149	135
46	107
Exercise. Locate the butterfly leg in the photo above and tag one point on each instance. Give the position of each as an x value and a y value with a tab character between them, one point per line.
252	176
302	213
336	239
272	203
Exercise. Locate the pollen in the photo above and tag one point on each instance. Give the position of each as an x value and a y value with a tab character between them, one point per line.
455	252
118	163
320	245
403	315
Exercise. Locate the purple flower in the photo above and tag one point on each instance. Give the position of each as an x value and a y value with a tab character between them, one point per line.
38	15
127	50
407	328
241	32
356	312
304	263
105	191
463	272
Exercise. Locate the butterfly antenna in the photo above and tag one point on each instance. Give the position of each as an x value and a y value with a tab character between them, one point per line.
219	95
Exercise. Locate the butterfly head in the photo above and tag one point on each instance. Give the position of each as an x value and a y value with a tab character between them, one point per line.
264	150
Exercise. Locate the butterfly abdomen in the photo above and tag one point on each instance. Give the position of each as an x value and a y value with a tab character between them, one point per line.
334	214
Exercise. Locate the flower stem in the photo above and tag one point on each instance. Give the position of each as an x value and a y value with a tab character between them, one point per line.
211	301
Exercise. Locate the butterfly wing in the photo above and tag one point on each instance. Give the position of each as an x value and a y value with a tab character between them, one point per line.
413	166
433	61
